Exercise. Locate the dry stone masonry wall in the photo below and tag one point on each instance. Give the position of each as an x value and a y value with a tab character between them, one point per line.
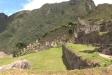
73	61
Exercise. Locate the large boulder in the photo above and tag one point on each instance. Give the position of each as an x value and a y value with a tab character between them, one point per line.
21	64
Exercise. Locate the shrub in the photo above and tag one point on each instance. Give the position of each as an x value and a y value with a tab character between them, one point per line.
18	50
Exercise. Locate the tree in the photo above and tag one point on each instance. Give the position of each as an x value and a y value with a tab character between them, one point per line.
20	45
71	27
18	50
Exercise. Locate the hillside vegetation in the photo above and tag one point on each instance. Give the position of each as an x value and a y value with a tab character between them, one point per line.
100	12
27	26
3	22
37	36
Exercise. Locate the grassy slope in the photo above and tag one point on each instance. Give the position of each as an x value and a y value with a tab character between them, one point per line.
49	62
81	51
42	61
51	59
6	60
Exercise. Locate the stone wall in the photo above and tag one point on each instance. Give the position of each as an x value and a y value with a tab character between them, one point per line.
91	38
54	38
73	61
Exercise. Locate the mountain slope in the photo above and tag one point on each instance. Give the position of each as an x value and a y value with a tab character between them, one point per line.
27	26
102	11
3	22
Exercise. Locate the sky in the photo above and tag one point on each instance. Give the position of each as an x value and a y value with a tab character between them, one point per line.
11	6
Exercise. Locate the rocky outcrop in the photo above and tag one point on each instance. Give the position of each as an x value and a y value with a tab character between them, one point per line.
20	64
89	4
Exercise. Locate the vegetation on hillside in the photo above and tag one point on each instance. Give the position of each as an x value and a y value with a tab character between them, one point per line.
102	11
49	22
27	26
3	22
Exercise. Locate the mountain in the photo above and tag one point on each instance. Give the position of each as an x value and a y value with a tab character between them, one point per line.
3	22
102	11
27	26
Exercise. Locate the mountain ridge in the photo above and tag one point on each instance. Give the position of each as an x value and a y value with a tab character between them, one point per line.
27	26
70	10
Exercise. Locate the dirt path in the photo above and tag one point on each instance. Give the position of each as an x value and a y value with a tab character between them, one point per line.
105	56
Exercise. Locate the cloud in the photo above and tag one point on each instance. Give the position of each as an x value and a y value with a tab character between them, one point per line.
34	4
102	1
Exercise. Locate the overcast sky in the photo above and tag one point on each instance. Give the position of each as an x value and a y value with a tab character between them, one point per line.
11	6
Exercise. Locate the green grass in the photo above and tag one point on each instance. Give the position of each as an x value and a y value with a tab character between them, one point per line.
6	60
51	59
80	49
102	33
47	60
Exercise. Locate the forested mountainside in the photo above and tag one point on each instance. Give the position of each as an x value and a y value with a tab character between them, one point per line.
65	36
27	26
3	22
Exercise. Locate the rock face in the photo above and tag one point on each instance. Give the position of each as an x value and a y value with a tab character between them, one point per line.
89	3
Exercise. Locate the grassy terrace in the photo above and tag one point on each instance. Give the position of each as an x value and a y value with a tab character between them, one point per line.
88	52
48	60
6	60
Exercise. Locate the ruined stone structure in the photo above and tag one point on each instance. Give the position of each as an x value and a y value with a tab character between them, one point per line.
73	61
89	28
83	32
53	39
94	31
86	26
